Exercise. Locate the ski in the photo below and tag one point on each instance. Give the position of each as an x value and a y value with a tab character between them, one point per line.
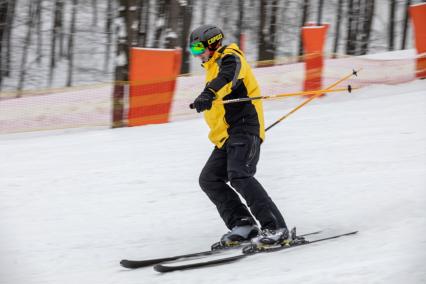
245	252
205	261
134	264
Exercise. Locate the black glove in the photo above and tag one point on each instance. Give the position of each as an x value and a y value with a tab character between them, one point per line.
204	101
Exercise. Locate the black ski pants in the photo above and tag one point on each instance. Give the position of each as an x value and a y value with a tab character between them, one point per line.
236	163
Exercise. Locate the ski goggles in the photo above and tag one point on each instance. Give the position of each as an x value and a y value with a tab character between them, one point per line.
197	48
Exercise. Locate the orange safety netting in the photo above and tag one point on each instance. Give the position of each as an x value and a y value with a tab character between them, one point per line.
92	106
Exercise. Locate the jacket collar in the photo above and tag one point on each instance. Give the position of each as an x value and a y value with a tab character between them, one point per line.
216	55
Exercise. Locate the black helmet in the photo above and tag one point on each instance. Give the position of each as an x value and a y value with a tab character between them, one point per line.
210	36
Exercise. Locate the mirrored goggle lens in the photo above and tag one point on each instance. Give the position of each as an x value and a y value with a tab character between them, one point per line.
197	48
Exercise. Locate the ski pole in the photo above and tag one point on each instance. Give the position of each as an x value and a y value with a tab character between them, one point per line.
349	88
314	92
354	73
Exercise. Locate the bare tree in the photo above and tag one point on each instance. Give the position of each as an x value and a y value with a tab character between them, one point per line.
186	25
126	31
61	32
369	6
267	30
405	24
351	34
159	22
27	42
132	23
4	7
95	13
391	30
108	32
203	11
304	18
319	13
143	22
57	25
357	25
172	30
337	28
240	21
10	16
39	23
71	42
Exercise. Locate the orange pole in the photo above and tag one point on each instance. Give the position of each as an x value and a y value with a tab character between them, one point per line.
286	95
152	76
354	73
313	44
418	15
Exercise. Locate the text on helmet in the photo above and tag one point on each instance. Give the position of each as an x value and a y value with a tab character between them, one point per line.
215	38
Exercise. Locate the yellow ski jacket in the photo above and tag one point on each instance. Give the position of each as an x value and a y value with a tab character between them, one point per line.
229	76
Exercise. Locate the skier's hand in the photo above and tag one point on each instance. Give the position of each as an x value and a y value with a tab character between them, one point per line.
204	101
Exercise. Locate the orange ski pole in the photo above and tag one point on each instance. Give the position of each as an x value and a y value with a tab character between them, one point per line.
349	89
354	73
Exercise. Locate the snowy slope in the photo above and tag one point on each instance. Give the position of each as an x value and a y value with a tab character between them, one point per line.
72	204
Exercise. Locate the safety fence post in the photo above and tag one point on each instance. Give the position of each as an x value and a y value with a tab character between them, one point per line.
313	43
418	15
152	75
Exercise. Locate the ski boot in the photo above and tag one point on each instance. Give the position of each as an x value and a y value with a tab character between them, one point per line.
237	236
271	239
268	238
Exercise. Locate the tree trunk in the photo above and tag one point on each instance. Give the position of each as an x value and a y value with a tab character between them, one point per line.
95	13
147	23
108	33
305	14
172	30
125	33
4	7
391	35
132	23
405	23
55	33
357	26
186	25
319	15
71	42
61	32
203	11
267	31
9	27
351	36
159	22
337	28
143	28
273	28
368	22
240	21
39	23
261	36
27	42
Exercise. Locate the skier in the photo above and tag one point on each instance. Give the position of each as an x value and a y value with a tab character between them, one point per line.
236	130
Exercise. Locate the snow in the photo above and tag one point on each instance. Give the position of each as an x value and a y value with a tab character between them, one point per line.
393	55
419	4
73	203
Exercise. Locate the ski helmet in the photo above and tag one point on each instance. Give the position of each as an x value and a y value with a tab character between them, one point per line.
205	36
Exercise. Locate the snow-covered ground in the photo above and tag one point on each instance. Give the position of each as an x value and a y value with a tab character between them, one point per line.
73	203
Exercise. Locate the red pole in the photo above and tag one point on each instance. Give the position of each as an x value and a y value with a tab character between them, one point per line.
313	43
418	14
